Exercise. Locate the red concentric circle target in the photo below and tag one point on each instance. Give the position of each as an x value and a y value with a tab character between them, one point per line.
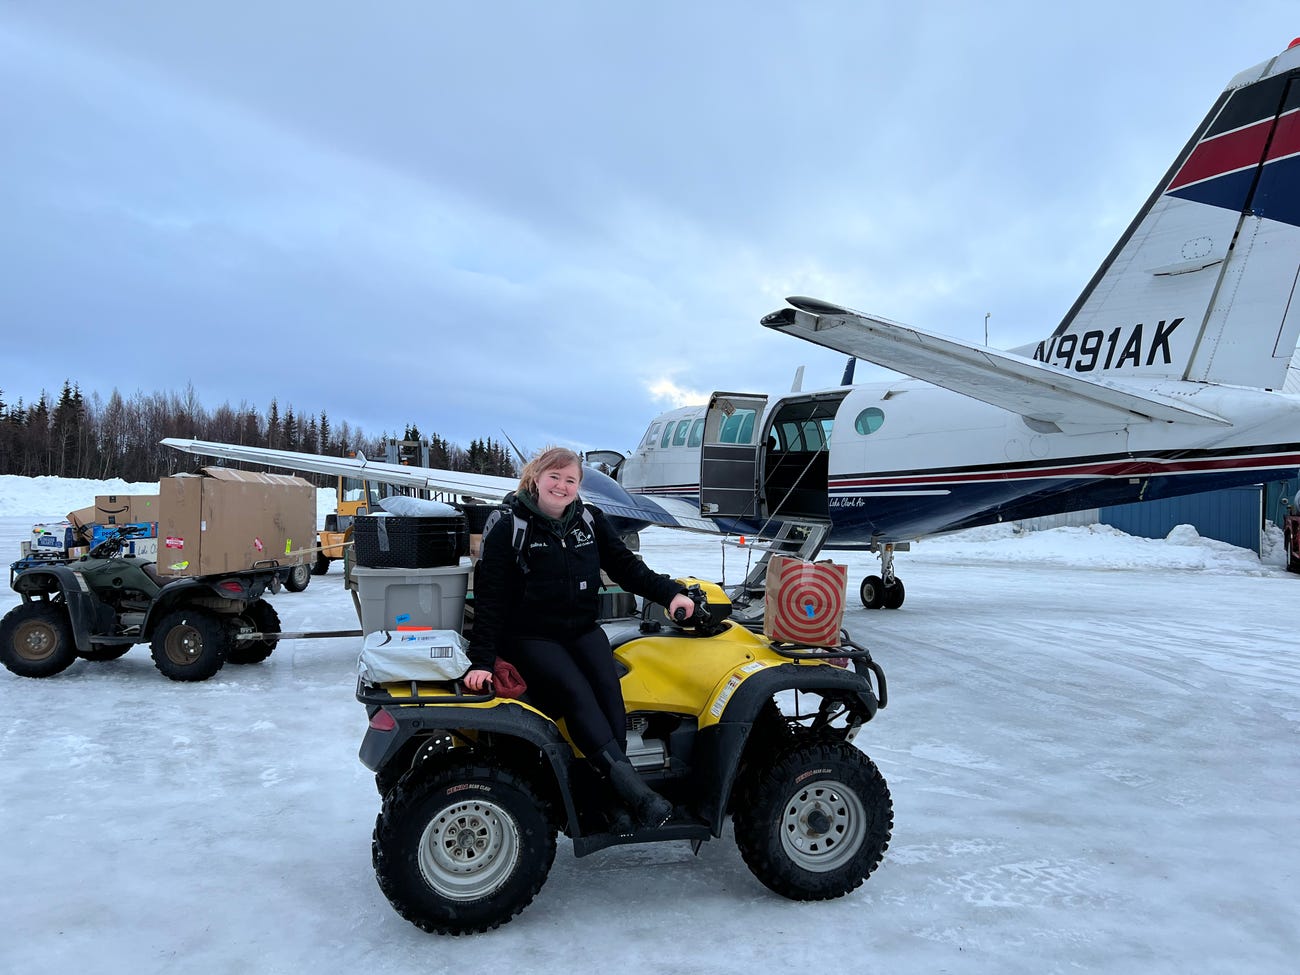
809	604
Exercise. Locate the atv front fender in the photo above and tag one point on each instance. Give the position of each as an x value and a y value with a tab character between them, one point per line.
88	615
720	746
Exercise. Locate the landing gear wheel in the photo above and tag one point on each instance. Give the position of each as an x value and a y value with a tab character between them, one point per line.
872	592
463	850
190	644
321	566
298	578
36	640
894	594
263	618
102	653
815	825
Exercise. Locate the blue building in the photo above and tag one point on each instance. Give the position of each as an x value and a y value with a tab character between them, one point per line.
1235	515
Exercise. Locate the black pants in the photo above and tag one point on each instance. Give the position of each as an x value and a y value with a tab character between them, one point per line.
575	680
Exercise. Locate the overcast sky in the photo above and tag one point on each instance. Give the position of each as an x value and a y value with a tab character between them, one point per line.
543	218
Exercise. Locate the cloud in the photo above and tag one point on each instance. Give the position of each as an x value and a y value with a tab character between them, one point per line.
533	217
666	391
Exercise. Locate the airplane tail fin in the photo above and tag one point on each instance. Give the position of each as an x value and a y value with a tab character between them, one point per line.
847	378
1203	284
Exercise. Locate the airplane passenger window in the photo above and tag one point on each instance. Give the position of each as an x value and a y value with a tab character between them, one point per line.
683	428
697	433
869	420
817	433
668	435
738	428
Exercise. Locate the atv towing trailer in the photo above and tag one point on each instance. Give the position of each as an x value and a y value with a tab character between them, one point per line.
99	606
721	721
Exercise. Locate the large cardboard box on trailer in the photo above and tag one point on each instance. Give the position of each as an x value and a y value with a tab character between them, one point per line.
223	520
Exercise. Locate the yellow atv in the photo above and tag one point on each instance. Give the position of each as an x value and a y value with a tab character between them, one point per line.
721	721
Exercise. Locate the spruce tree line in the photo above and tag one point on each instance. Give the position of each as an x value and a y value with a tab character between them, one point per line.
120	437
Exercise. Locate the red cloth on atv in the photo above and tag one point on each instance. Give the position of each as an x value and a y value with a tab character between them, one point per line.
506	680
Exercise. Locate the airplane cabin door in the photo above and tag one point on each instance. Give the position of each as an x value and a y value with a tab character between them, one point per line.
730	474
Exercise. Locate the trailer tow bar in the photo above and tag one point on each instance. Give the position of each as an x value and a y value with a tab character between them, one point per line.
304	635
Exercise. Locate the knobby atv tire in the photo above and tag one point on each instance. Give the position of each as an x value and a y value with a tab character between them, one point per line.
462	849
190	644
262	616
816	823
36	640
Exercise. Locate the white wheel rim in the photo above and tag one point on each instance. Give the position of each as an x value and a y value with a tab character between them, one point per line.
822	826
469	850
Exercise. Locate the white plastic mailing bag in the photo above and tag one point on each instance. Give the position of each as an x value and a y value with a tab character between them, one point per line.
393	655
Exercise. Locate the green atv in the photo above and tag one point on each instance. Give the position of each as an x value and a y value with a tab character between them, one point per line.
99	606
721	721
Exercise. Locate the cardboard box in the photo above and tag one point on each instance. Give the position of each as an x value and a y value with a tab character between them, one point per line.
804	602
125	509
224	520
82	519
144	530
145	548
54	539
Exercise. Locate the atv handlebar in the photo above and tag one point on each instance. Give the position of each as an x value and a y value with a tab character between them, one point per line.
700	620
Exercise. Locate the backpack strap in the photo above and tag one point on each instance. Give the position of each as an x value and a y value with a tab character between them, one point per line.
519	532
518	541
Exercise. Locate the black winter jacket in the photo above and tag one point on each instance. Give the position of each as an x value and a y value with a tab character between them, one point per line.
558	598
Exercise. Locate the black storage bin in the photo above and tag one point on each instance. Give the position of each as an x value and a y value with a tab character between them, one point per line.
397	542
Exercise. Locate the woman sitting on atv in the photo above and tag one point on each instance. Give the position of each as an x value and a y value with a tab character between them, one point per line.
536	605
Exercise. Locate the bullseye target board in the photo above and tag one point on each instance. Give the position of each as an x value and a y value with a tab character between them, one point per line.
804	601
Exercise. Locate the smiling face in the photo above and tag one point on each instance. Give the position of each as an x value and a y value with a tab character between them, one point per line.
556	488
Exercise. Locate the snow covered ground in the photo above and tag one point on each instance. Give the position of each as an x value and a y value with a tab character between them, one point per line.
1091	742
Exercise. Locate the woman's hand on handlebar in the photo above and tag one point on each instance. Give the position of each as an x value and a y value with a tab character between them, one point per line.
479	679
682	607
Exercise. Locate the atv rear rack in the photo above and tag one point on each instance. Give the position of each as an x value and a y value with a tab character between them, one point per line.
375	694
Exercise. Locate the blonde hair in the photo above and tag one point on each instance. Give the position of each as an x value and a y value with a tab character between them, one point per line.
548	459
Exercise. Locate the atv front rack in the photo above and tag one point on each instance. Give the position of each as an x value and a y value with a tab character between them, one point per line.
847	650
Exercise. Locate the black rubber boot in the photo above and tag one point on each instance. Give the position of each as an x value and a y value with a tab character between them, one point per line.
648	806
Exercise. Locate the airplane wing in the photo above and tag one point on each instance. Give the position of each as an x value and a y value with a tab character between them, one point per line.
628	512
1003	379
484	486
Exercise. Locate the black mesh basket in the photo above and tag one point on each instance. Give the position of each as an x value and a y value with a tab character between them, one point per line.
399	542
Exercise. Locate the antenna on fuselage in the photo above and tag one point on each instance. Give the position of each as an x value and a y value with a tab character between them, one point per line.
797	385
847	378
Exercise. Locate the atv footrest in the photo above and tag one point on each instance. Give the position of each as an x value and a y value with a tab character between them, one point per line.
674	829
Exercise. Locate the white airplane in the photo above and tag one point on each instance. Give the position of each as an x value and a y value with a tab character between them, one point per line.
1163	379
